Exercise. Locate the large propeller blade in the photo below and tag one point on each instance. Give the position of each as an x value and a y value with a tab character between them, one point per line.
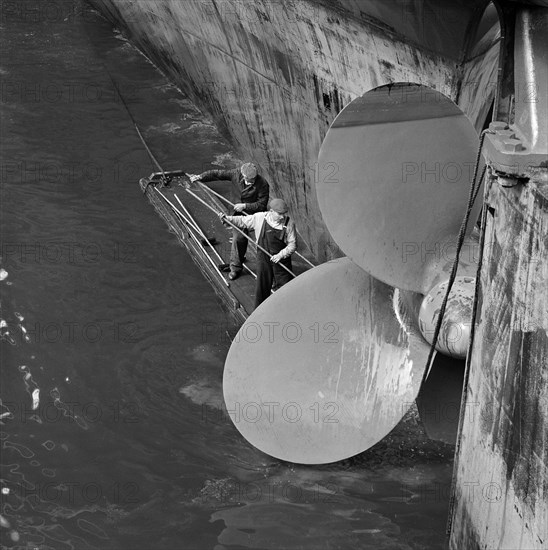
326	367
395	172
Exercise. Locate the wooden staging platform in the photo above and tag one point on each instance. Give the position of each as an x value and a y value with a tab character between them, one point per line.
238	296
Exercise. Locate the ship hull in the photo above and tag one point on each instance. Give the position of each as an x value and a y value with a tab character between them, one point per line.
274	75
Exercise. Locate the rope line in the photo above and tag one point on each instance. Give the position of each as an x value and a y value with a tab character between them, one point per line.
471	198
464	396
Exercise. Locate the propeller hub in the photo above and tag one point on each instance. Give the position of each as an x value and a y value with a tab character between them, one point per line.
454	335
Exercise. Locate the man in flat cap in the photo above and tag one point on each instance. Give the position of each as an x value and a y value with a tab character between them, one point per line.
254	192
274	232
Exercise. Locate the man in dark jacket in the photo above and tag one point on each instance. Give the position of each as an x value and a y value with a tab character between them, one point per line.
254	192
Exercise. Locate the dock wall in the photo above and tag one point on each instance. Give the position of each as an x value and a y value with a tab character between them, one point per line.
501	476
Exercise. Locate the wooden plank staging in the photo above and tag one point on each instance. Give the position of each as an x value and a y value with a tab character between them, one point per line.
500	498
239	295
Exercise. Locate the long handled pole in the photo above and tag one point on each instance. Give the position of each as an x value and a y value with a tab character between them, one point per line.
203	185
240	231
183	217
198	228
207	240
164	174
190	222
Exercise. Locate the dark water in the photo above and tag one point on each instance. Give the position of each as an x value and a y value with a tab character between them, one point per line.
112	436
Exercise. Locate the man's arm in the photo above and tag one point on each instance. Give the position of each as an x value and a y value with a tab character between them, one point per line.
243	222
262	199
291	242
214	175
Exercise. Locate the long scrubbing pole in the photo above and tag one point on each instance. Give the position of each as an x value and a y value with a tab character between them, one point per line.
190	225
198	228
207	240
239	230
232	204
